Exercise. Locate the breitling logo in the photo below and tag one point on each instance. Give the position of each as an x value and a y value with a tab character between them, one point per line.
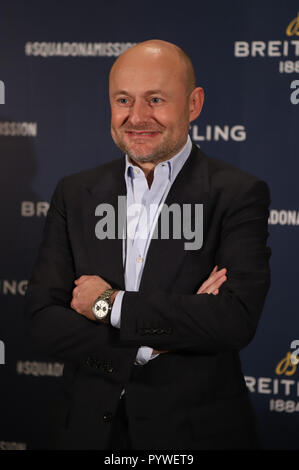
286	366
293	27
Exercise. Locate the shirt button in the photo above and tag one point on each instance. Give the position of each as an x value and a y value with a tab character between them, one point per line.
136	171
107	417
139	259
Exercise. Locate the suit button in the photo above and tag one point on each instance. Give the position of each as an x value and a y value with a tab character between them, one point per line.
89	362
107	417
108	368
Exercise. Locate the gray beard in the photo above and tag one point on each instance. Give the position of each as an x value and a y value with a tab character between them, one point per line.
162	154
146	158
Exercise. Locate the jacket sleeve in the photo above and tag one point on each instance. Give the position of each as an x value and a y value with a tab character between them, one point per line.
207	323
52	325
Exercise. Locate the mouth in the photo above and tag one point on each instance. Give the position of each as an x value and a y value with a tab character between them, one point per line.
142	134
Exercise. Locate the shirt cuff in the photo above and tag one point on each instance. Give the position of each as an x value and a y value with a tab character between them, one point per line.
144	355
116	309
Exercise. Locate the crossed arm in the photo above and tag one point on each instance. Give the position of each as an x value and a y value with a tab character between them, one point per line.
212	323
88	288
205	323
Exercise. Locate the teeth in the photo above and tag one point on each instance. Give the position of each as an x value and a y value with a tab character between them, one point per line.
142	133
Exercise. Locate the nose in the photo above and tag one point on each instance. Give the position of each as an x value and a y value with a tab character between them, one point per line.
139	113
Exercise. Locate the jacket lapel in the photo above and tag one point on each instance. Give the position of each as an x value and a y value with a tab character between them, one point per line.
165	257
105	256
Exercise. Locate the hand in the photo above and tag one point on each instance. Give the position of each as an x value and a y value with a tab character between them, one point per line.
87	290
214	282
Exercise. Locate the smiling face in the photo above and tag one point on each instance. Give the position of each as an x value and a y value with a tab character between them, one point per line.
151	103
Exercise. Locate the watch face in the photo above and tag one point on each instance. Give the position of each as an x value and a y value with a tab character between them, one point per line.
101	309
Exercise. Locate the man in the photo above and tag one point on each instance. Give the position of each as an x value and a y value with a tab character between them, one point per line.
151	358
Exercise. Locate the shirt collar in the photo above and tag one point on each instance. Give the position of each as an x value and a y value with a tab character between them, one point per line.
174	163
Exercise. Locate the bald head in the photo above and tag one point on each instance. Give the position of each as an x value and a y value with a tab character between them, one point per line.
167	52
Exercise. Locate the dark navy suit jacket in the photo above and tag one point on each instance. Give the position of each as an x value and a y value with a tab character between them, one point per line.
194	396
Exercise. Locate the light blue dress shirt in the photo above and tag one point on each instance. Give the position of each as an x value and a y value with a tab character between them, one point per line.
144	205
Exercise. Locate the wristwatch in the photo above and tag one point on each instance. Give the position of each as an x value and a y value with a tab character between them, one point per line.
102	306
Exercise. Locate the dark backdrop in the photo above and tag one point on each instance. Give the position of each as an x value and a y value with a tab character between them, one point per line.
54	60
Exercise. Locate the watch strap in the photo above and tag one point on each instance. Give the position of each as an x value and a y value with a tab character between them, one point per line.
106	295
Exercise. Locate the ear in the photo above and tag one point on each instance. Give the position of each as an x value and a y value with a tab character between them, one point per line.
196	100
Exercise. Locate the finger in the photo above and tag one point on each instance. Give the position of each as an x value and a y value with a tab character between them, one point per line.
75	306
216	285
215	275
216	292
213	278
81	279
75	291
208	289
214	270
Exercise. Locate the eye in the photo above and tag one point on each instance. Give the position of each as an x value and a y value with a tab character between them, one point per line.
123	100
155	99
